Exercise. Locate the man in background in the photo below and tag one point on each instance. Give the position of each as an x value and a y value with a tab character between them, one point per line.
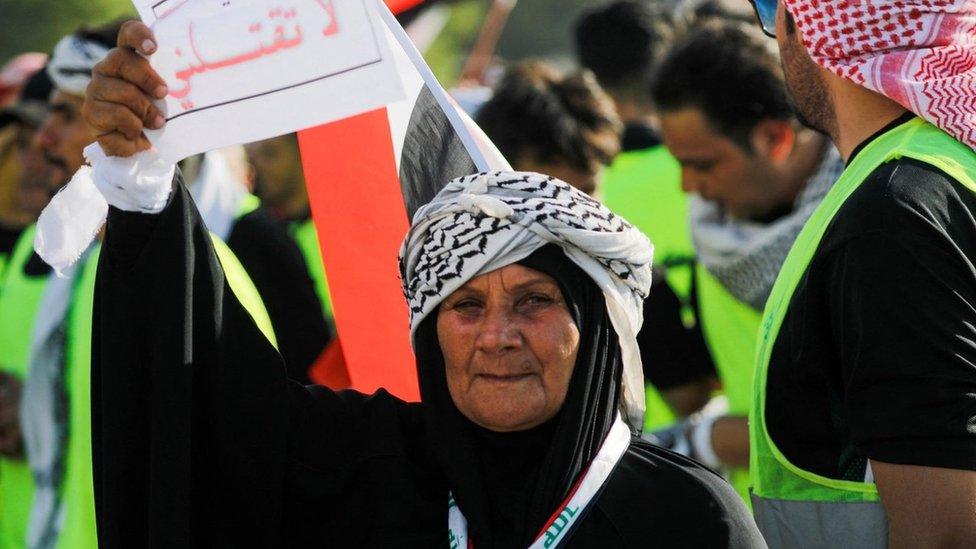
22	168
754	175
221	183
45	332
862	426
280	183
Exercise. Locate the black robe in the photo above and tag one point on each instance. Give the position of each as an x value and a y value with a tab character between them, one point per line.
201	440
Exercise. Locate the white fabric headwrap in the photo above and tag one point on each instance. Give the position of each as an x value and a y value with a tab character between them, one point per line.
71	64
69	223
480	223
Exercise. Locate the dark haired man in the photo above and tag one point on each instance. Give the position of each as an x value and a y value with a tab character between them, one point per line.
862	427
621	42
755	175
543	121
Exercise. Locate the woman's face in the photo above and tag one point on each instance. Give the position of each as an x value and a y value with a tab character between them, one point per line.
509	345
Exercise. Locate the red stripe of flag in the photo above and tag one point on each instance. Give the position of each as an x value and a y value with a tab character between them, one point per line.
397	6
350	167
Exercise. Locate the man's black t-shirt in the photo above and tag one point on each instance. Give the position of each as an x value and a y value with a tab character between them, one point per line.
876	357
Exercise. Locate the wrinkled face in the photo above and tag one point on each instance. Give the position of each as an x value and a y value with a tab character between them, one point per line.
715	167
64	135
509	345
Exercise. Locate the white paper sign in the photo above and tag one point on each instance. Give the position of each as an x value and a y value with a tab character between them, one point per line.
245	70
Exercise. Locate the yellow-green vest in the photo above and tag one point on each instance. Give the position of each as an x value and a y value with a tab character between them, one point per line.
308	242
795	507
18	306
730	328
16	485
4	259
644	187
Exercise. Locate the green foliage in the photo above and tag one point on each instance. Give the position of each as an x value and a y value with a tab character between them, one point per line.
36	25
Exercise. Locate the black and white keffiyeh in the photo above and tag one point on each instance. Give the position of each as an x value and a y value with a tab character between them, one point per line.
71	64
483	222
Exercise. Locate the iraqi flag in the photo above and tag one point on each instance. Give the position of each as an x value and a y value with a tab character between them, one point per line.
366	177
399	6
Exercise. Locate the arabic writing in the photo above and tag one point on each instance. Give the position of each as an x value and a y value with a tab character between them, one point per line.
213	42
554	533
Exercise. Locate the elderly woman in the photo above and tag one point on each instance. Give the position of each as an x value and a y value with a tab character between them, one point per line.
525	297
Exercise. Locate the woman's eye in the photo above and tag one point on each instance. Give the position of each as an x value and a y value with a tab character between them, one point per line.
467	306
535	301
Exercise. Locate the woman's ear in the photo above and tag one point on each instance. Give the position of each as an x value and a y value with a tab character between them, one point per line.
773	139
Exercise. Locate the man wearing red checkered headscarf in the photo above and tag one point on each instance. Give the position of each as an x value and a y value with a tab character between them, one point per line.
863	430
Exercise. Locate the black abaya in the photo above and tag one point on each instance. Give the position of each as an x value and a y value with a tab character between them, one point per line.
201	440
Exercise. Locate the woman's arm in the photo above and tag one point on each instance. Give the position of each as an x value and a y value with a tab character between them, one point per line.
189	400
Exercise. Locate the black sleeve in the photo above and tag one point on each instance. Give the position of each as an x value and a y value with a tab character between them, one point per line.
277	268
903	314
672	354
199	439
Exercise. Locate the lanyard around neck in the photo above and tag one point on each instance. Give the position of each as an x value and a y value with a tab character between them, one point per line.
579	498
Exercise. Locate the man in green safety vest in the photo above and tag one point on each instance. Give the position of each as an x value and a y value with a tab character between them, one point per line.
755	175
862	426
46	497
46	481
622	42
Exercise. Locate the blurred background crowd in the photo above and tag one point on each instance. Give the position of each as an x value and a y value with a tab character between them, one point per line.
673	113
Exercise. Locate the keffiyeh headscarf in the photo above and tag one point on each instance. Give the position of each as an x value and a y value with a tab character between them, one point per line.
72	62
919	53
479	223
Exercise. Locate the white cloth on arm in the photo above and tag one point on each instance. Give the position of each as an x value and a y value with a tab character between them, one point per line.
482	222
69	223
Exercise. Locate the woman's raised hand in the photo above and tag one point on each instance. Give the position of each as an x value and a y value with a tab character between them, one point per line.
119	100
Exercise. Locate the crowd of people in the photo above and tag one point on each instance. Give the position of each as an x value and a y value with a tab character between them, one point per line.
793	365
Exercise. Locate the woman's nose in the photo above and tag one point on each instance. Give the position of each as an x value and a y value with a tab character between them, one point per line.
499	333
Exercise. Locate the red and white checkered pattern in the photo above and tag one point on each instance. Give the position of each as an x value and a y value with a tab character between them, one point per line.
920	53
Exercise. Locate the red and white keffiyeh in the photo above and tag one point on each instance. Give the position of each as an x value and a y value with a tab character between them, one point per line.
920	53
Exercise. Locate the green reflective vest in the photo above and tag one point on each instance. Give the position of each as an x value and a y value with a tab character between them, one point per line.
18	306
77	489
644	187
308	242
795	507
16	483
730	328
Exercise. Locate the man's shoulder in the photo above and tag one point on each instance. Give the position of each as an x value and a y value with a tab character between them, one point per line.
905	195
259	230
